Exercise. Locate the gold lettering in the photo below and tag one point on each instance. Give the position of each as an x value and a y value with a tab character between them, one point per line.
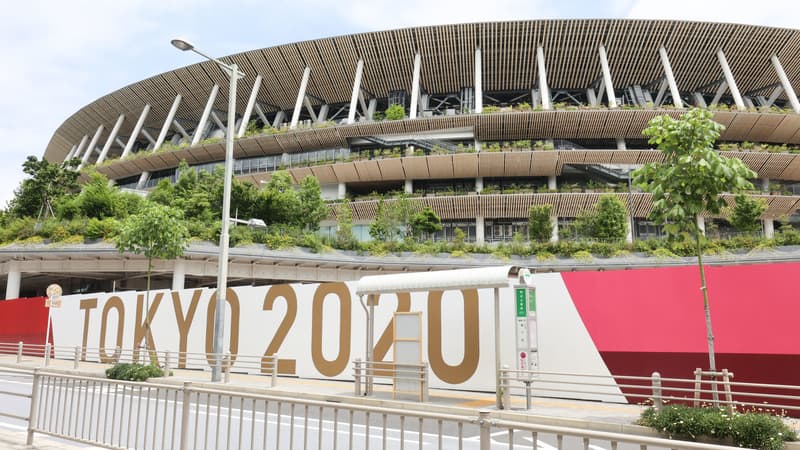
339	364
285	291
87	305
464	370
142	329
184	322
233	301
115	303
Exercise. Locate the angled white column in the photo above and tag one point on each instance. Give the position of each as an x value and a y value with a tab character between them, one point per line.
248	110
149	137
14	281
412	110
218	122
261	114
726	70
720	91
167	122
180	129
351	113
323	112
111	137
373	104
81	146
301	94
673	86
70	152
280	116
92	145
612	97
662	89
310	109
544	89
787	86
201	126
774	96
136	130
478	82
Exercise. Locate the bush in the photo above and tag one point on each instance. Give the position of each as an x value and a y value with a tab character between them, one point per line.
395	112
134	372
751	430
101	228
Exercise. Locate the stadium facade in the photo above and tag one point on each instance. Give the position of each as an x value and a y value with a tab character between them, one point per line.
496	117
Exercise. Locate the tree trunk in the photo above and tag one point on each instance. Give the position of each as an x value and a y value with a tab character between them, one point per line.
709	330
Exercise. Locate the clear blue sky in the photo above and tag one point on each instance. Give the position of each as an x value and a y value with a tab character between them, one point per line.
60	55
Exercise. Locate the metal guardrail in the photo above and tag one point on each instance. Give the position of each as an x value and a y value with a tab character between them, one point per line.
402	376
655	389
119	414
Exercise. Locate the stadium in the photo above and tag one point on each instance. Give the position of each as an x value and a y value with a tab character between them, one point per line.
479	122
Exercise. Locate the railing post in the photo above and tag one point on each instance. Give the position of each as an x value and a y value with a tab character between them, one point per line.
167	365
726	383
698	373
486	430
76	357
505	388
274	377
34	411
47	354
20	346
185	404
226	367
424	381
357	376
658	401
117	354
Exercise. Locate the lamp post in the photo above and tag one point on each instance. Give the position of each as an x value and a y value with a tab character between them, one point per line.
232	70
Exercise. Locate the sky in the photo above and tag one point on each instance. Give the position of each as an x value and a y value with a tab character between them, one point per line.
59	56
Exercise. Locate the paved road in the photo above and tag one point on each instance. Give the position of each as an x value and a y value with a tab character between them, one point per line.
144	419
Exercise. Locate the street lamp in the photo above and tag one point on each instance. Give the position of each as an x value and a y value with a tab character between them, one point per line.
232	70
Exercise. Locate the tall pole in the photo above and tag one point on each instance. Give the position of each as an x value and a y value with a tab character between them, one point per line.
222	274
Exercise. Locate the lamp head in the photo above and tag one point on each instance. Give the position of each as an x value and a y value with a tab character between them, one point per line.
182	44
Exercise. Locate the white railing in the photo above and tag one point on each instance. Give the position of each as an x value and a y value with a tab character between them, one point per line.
118	414
406	378
653	389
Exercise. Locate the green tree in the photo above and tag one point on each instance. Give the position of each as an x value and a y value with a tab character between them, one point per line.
425	221
540	225
611	219
689	181
48	183
344	226
746	213
395	112
155	232
312	206
381	228
278	202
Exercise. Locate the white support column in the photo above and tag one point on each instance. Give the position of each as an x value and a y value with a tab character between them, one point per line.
71	151
701	224
673	86
14	281
170	117
699	101
554	234
179	275
769	228
219	123
408	186
662	89
280	116
136	130
787	86
301	94
480	230
412	110
629	234
373	104
81	146
774	96
181	130
621	145
591	97
478	82
544	89
612	97
201	126
479	184
726	70
92	145
351	113
323	113
111	137
261	114
310	109
720	91
248	110
765	184
149	137
341	194
551	183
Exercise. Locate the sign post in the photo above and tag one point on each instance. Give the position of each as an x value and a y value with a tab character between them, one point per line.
526	328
